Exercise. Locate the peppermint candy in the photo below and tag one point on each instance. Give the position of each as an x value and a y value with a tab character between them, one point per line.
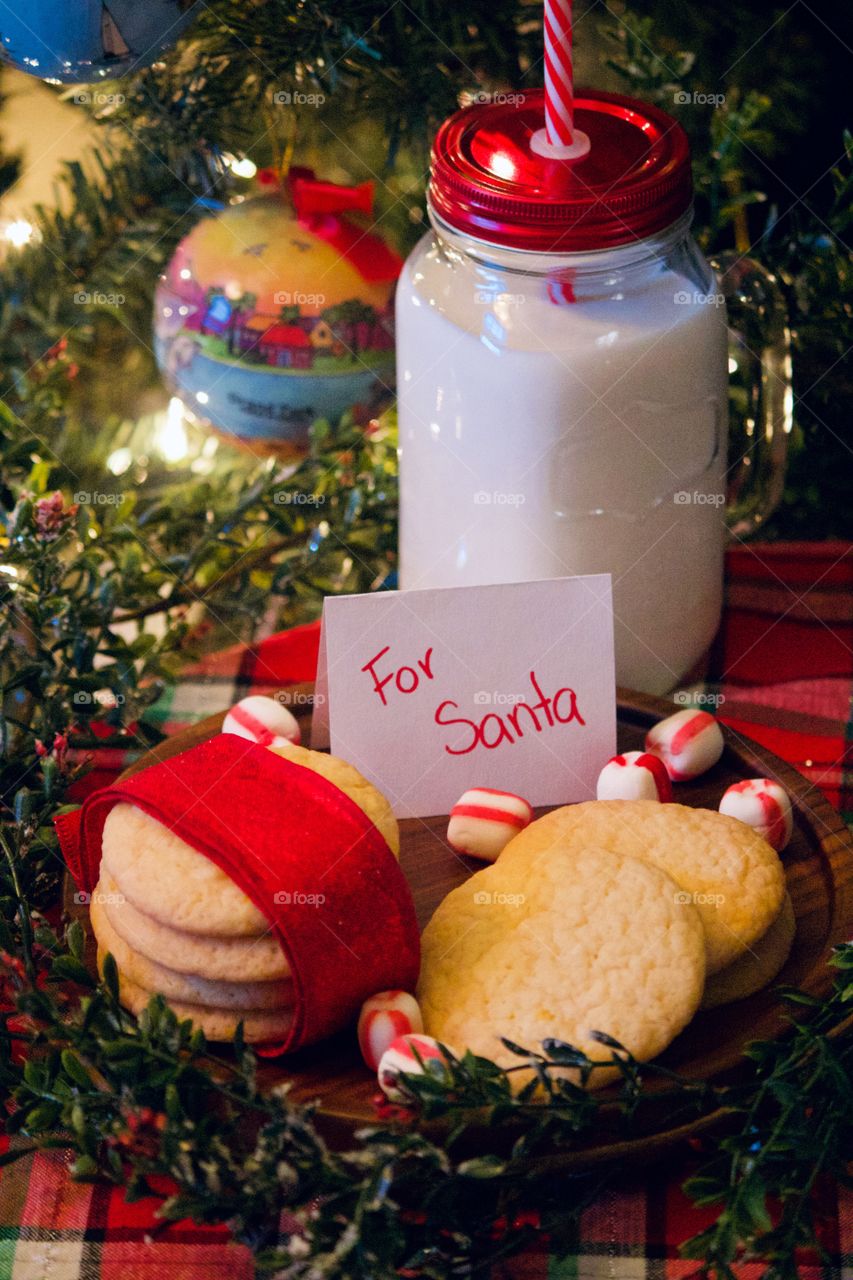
483	821
634	775
384	1018
402	1057
688	743
262	720
763	805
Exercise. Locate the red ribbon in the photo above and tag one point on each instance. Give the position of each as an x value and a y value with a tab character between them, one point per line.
304	853
310	195
321	208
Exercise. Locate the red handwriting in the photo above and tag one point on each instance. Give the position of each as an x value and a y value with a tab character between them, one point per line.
405	679
524	717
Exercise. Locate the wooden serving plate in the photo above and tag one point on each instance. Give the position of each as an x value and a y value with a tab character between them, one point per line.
819	867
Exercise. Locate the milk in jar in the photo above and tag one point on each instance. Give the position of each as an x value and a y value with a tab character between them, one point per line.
562	377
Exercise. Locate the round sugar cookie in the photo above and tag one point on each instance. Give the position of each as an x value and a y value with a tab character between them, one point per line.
723	867
160	874
560	947
259	1025
158	976
758	967
252	959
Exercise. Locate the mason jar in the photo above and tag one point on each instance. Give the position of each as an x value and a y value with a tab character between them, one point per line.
562	375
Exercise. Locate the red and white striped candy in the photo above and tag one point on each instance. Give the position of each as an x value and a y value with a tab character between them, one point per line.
636	775
764	805
383	1019
400	1057
261	720
482	822
689	742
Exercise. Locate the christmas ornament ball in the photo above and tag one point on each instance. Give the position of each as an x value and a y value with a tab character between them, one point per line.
268	318
80	41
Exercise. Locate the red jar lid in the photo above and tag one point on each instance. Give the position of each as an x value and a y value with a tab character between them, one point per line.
487	182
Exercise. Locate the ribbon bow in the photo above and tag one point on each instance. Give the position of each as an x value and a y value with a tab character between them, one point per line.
322	208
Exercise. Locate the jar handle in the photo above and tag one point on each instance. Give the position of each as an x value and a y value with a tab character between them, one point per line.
760	390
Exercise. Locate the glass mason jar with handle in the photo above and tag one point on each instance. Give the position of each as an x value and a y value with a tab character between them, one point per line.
562	365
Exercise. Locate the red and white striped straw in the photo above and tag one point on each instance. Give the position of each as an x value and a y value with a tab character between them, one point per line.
559	82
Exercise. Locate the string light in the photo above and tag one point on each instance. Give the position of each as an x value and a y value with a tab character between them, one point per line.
171	439
242	167
18	232
119	461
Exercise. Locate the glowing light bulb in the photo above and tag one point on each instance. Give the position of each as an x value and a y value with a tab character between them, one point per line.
18	232
244	168
171	440
241	166
119	461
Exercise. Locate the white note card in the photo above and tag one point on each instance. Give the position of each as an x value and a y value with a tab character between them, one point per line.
509	686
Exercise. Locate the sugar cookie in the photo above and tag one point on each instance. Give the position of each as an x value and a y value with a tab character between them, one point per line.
721	866
561	946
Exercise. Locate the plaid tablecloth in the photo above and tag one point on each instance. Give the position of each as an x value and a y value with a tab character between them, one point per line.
781	672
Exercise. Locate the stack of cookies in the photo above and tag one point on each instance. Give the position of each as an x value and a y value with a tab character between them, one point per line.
176	925
622	917
179	926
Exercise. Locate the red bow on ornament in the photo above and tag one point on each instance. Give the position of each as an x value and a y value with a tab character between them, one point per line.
310	195
321	208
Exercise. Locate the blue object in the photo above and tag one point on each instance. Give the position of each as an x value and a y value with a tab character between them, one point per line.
218	314
79	41
257	403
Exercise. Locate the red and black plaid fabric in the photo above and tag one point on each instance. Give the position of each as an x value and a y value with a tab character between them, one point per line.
56	1229
784	658
781	673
